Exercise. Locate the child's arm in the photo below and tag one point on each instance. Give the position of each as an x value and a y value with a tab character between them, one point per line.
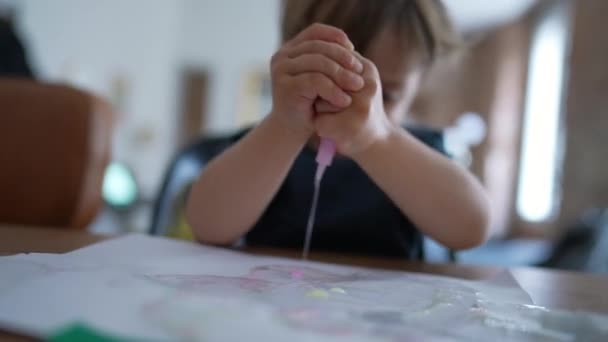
237	186
442	199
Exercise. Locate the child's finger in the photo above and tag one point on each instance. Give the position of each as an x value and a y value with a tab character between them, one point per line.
345	78
322	106
322	32
330	125
313	85
336	52
370	74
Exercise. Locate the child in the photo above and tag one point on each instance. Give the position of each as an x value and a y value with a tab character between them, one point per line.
388	185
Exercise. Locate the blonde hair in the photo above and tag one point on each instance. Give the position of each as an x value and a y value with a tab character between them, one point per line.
425	22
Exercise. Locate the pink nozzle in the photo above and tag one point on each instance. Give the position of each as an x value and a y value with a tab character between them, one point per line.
327	150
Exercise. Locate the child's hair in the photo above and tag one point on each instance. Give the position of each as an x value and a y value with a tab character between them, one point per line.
425	22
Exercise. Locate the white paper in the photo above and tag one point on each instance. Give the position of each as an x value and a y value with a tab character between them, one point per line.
156	288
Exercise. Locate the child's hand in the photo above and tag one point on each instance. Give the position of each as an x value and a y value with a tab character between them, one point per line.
318	63
363	123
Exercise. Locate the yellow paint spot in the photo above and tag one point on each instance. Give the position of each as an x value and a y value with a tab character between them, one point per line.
318	293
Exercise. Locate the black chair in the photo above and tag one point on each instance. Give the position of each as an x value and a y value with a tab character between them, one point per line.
182	172
584	247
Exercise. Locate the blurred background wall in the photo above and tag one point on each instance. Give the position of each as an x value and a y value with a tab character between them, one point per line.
134	53
585	168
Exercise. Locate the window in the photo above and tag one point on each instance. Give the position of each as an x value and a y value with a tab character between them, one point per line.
537	197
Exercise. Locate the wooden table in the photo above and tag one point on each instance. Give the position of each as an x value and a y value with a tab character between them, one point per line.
550	288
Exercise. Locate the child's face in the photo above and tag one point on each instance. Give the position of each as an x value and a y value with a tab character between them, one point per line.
400	72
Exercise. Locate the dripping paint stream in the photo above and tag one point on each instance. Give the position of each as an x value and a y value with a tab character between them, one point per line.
311	218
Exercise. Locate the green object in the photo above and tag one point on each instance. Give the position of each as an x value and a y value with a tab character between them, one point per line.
119	186
80	332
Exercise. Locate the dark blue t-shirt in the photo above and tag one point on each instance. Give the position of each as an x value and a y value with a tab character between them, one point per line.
353	215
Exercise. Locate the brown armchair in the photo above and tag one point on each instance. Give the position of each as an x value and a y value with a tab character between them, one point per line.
54	148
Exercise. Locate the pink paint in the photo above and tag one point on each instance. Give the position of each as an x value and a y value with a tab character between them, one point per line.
297	274
325	155
327	150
